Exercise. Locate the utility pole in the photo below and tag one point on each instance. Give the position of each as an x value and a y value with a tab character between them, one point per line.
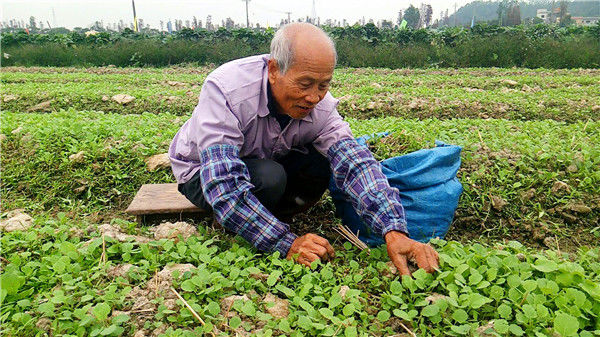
135	23
455	14
247	18
289	19
314	13
53	17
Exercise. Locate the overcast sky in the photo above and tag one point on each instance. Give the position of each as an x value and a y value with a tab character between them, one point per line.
82	13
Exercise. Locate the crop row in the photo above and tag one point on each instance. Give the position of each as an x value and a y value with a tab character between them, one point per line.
533	180
369	33
68	279
562	95
534	46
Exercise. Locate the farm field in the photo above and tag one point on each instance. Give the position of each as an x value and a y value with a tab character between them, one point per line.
516	94
522	257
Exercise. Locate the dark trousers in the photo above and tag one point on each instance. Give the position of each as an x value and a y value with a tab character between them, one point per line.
288	186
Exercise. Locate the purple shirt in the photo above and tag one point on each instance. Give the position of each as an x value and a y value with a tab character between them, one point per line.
232	110
232	120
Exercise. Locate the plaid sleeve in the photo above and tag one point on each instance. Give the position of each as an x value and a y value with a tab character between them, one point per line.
358	174
226	187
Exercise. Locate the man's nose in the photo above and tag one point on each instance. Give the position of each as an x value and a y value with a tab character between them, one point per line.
313	97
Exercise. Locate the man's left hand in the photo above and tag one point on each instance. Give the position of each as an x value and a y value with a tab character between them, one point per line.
401	248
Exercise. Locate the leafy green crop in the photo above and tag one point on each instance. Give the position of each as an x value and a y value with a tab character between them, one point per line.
50	274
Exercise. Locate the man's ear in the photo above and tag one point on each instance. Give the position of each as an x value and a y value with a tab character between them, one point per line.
273	70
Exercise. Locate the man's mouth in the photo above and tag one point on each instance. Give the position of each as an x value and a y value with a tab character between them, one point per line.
303	108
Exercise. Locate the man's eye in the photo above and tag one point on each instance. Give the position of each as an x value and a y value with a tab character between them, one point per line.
324	86
305	84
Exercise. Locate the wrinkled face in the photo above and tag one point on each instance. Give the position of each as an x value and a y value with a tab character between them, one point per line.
304	85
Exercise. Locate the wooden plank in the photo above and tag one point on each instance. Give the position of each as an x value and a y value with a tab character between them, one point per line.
160	199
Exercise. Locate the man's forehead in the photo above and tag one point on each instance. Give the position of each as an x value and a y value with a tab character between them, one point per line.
307	63
313	75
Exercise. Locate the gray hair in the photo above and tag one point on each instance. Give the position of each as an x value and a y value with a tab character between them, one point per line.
282	49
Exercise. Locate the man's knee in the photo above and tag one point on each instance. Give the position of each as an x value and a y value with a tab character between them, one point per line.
270	176
269	180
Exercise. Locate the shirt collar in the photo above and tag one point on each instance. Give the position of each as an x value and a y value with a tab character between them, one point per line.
266	97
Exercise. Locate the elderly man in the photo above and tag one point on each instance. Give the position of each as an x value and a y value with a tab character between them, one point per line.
265	139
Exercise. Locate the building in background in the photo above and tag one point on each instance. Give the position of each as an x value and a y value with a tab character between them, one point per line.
544	14
586	20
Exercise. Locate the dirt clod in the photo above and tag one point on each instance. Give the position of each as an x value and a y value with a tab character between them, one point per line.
44	324
17	221
162	281
550	241
417	104
76	232
280	308
343	291
116	313
176	83
123	98
228	301
159	331
579	208
119	270
17	130
486	330
498	203
8	98
77	157
559	187
116	233
142	300
509	82
529	194
521	257
105	98
171	304
170	230
44	106
392	268
158	161
79	189
568	217
435	297
259	276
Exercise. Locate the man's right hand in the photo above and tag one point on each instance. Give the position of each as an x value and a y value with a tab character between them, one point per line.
309	248
400	249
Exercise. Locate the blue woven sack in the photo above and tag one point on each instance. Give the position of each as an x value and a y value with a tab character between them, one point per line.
429	190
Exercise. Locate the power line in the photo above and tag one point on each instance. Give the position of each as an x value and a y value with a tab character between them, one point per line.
289	19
